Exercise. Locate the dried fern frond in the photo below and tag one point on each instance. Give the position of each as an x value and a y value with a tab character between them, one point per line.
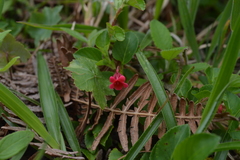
142	103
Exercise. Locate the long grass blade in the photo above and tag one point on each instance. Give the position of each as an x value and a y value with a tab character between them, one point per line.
48	99
67	127
25	114
158	90
186	20
235	13
223	78
220	27
158	8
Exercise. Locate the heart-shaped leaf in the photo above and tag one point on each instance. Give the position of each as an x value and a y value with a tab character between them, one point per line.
88	77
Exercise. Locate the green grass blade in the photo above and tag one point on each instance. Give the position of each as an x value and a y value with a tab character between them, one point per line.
25	114
235	14
158	8
25	97
5	68
182	80
75	34
223	78
1	7
136	148
220	27
158	90
193	7
222	155
48	99
228	146
67	127
78	27
188	28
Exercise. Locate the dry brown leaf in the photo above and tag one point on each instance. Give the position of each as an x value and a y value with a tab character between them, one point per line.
135	119
151	106
122	95
141	91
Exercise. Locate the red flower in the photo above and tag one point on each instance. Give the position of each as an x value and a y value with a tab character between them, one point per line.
118	81
220	109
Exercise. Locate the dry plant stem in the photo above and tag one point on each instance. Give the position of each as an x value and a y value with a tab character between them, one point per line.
115	18
118	112
79	130
163	105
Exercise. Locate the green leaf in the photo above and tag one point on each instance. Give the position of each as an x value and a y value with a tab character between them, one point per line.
196	147
49	16
159	90
233	102
103	42
116	31
118	4
87	77
197	67
185	88
12	61
25	114
235	13
235	135
164	148
89	139
48	98
202	94
139	4
160	35
115	154
3	35
75	34
14	143
145	156
146	41
186	20
89	155
169	54
123	51
222	82
20	154
88	52
11	48
106	137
